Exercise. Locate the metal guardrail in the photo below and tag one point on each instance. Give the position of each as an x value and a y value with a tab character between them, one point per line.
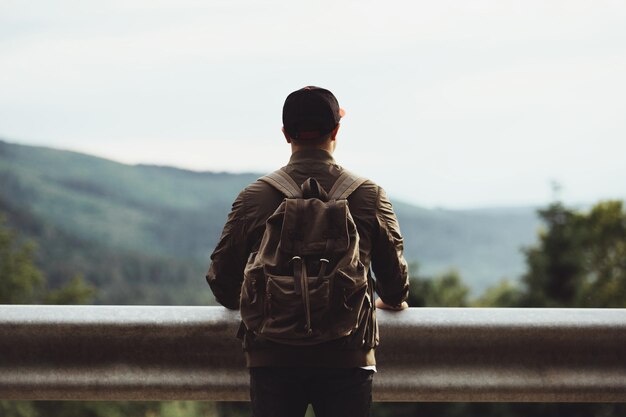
426	354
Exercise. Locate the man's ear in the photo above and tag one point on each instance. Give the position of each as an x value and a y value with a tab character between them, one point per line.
333	133
287	137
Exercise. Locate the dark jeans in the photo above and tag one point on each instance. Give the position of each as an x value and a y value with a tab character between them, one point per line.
286	392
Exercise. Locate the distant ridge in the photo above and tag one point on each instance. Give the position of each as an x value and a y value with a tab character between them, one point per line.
185	171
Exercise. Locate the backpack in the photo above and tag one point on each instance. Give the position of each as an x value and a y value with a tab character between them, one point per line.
306	284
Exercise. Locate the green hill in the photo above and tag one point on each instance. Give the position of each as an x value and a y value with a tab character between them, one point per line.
143	233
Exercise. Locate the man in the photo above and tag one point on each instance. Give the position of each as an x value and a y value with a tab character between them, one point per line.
334	376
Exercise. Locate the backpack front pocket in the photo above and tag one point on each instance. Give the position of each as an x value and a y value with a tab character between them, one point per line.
286	312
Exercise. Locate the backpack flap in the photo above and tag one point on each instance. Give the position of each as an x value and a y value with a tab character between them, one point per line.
308	225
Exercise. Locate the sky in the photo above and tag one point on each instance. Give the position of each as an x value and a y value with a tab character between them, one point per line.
454	104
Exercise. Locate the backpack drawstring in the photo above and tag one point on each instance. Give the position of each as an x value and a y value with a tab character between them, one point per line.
320	275
301	285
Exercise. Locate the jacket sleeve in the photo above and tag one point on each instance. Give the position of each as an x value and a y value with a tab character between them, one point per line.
228	260
388	263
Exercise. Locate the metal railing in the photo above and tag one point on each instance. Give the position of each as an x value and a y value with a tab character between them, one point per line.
426	354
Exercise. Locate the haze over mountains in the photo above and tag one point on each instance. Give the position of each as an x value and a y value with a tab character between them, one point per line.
143	233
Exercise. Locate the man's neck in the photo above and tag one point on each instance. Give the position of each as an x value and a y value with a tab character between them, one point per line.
328	147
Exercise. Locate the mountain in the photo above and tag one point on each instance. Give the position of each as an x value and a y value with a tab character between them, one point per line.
143	233
484	245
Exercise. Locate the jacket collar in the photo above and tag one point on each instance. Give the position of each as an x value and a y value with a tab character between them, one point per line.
311	155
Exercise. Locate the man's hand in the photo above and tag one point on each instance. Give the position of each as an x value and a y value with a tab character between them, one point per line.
381	304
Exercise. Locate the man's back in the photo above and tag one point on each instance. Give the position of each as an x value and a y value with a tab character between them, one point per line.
379	241
334	376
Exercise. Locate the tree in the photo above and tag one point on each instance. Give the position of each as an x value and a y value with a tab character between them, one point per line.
580	260
504	294
605	257
555	265
445	290
21	281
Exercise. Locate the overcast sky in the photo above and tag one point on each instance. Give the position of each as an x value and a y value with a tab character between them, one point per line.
448	103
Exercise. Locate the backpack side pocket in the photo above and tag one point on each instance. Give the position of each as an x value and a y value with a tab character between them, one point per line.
253	295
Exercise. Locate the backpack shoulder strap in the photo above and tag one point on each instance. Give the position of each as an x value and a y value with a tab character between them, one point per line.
280	180
345	185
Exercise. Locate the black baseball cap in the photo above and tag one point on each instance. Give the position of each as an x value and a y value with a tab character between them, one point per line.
311	112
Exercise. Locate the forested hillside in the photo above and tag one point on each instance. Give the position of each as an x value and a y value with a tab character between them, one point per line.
143	234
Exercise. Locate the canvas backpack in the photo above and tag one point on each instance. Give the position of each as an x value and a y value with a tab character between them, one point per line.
306	284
